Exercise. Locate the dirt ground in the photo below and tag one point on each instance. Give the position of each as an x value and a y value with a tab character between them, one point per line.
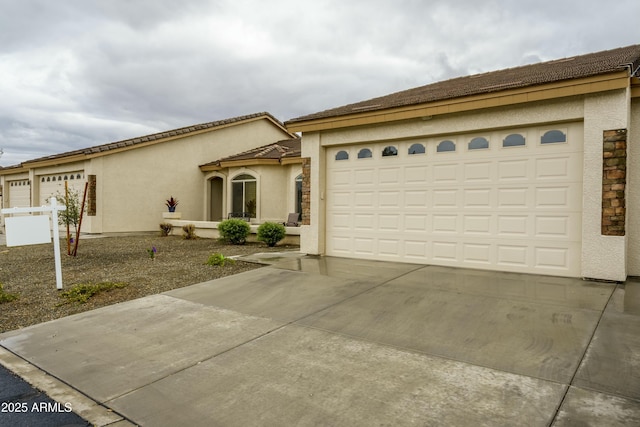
29	272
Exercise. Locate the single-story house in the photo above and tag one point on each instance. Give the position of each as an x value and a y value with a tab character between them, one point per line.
129	181
533	169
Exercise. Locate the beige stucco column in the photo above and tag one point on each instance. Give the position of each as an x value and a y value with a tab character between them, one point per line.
633	190
312	236
603	257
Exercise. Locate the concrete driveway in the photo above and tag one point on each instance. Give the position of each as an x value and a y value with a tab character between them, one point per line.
343	342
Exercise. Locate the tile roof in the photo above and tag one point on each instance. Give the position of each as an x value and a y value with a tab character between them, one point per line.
285	149
528	75
154	137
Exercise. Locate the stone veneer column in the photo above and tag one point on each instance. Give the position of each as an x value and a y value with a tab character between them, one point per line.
614	179
91	202
306	191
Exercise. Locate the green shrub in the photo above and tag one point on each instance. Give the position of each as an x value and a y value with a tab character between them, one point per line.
165	229
218	259
189	232
271	233
5	296
234	231
81	293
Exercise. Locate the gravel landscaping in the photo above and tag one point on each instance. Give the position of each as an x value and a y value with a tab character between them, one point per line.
29	272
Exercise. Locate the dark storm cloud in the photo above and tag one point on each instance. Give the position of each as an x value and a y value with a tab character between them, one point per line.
77	73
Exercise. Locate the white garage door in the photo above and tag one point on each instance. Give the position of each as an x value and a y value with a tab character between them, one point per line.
19	193
53	185
507	200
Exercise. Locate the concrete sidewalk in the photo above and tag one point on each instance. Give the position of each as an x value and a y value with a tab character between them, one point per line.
327	341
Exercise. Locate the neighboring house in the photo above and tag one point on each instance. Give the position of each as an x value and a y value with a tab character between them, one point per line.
130	180
261	184
534	169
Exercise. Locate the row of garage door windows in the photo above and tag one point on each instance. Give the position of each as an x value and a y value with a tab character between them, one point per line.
48	179
513	140
66	178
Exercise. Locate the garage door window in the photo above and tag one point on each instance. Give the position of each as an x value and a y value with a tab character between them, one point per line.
389	151
478	143
446	146
365	153
342	155
514	140
416	149
553	136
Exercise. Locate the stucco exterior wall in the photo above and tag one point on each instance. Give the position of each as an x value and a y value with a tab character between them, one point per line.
275	188
633	191
133	185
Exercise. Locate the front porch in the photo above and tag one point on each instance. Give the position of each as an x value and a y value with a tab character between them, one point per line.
209	230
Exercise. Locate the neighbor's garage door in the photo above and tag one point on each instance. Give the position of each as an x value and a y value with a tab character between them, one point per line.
19	193
53	185
508	200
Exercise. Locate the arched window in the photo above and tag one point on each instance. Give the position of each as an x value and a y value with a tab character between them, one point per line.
244	195
389	151
365	153
72	177
513	140
553	136
78	176
66	177
478	143
299	194
445	146
42	179
342	155
416	149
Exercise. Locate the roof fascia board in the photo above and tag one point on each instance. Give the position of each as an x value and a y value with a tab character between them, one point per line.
601	83
291	160
248	162
13	170
635	87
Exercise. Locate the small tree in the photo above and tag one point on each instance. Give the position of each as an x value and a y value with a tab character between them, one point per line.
72	215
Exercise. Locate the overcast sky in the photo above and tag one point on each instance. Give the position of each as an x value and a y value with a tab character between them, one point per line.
79	73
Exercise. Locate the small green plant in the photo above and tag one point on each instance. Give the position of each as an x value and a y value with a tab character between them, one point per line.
189	232
81	293
152	252
165	229
271	233
217	259
6	297
234	231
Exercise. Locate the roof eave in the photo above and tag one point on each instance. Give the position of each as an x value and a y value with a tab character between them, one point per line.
574	87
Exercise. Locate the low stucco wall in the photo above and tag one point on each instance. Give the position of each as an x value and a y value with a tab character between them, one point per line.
209	230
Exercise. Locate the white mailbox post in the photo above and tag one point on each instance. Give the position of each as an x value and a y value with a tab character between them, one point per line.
34	230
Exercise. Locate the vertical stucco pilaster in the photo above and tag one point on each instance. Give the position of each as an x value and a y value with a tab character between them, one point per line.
603	257
92	222
633	190
312	234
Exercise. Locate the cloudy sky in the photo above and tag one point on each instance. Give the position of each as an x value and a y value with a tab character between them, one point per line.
78	73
